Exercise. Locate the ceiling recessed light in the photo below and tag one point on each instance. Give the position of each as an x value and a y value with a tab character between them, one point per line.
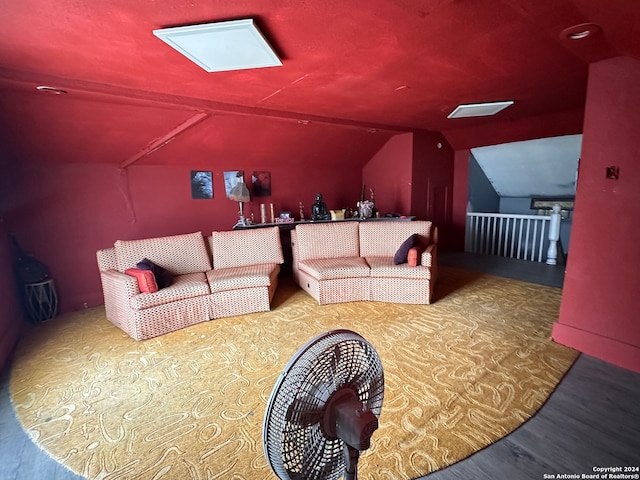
479	109
579	32
50	90
221	46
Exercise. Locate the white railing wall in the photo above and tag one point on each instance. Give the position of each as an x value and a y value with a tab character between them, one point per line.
524	237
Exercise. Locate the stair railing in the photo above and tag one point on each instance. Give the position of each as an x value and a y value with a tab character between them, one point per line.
509	235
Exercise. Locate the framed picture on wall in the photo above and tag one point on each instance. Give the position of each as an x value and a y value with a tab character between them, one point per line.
547	203
201	185
261	182
231	179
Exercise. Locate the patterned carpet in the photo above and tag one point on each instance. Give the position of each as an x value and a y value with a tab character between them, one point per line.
459	374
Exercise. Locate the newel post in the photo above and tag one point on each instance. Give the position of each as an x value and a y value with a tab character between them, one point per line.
554	235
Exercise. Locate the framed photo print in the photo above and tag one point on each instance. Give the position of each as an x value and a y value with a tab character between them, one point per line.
261	182
231	179
201	184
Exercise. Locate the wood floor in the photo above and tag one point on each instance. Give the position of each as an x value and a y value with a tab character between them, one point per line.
591	420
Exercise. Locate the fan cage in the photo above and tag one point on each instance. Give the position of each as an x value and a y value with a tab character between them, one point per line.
294	441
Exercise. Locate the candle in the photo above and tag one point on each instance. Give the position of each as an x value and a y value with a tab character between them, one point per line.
263	213
273	218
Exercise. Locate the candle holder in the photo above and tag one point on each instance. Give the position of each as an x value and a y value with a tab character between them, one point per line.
263	213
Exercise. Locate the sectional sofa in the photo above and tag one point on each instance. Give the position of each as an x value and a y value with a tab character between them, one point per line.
368	260
225	274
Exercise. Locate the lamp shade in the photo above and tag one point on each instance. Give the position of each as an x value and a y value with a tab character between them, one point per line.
240	193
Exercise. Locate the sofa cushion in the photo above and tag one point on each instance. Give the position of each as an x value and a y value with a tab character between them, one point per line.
383	238
403	251
162	277
327	240
146	279
184	286
179	254
383	267
332	268
247	276
239	248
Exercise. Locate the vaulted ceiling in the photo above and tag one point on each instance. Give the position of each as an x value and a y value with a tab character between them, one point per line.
354	73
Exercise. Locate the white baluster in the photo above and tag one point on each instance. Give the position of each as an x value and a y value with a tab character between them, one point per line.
554	235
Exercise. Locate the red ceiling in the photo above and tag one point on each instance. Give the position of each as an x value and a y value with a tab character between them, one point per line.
354	73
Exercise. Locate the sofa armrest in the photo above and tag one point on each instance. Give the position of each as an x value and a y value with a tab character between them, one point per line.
429	255
119	282
429	258
118	288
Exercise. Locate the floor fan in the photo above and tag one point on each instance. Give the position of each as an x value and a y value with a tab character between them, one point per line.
324	408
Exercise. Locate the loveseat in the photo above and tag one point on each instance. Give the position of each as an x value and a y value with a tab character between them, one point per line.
226	274
351	261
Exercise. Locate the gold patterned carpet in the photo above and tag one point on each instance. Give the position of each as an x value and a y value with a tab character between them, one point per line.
459	374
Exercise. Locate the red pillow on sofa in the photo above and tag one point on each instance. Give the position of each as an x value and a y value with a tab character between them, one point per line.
146	279
413	257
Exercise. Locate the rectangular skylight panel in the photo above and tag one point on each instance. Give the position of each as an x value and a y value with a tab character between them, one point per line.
479	109
222	46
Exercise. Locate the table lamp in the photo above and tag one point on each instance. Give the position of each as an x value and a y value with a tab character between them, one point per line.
240	193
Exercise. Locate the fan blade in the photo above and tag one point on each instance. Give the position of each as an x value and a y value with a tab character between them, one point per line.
299	413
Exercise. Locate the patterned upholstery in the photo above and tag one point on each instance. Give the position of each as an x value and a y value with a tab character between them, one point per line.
399	283
351	261
401	290
168	317
240	301
382	239
179	254
117	289
197	293
107	259
332	268
247	247
246	276
184	286
383	267
336	290
327	240
327	262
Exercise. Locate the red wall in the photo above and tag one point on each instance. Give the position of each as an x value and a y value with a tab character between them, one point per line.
599	310
432	182
413	175
11	318
63	213
460	199
389	174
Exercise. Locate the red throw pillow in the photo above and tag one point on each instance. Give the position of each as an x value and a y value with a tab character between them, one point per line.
413	257
146	279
